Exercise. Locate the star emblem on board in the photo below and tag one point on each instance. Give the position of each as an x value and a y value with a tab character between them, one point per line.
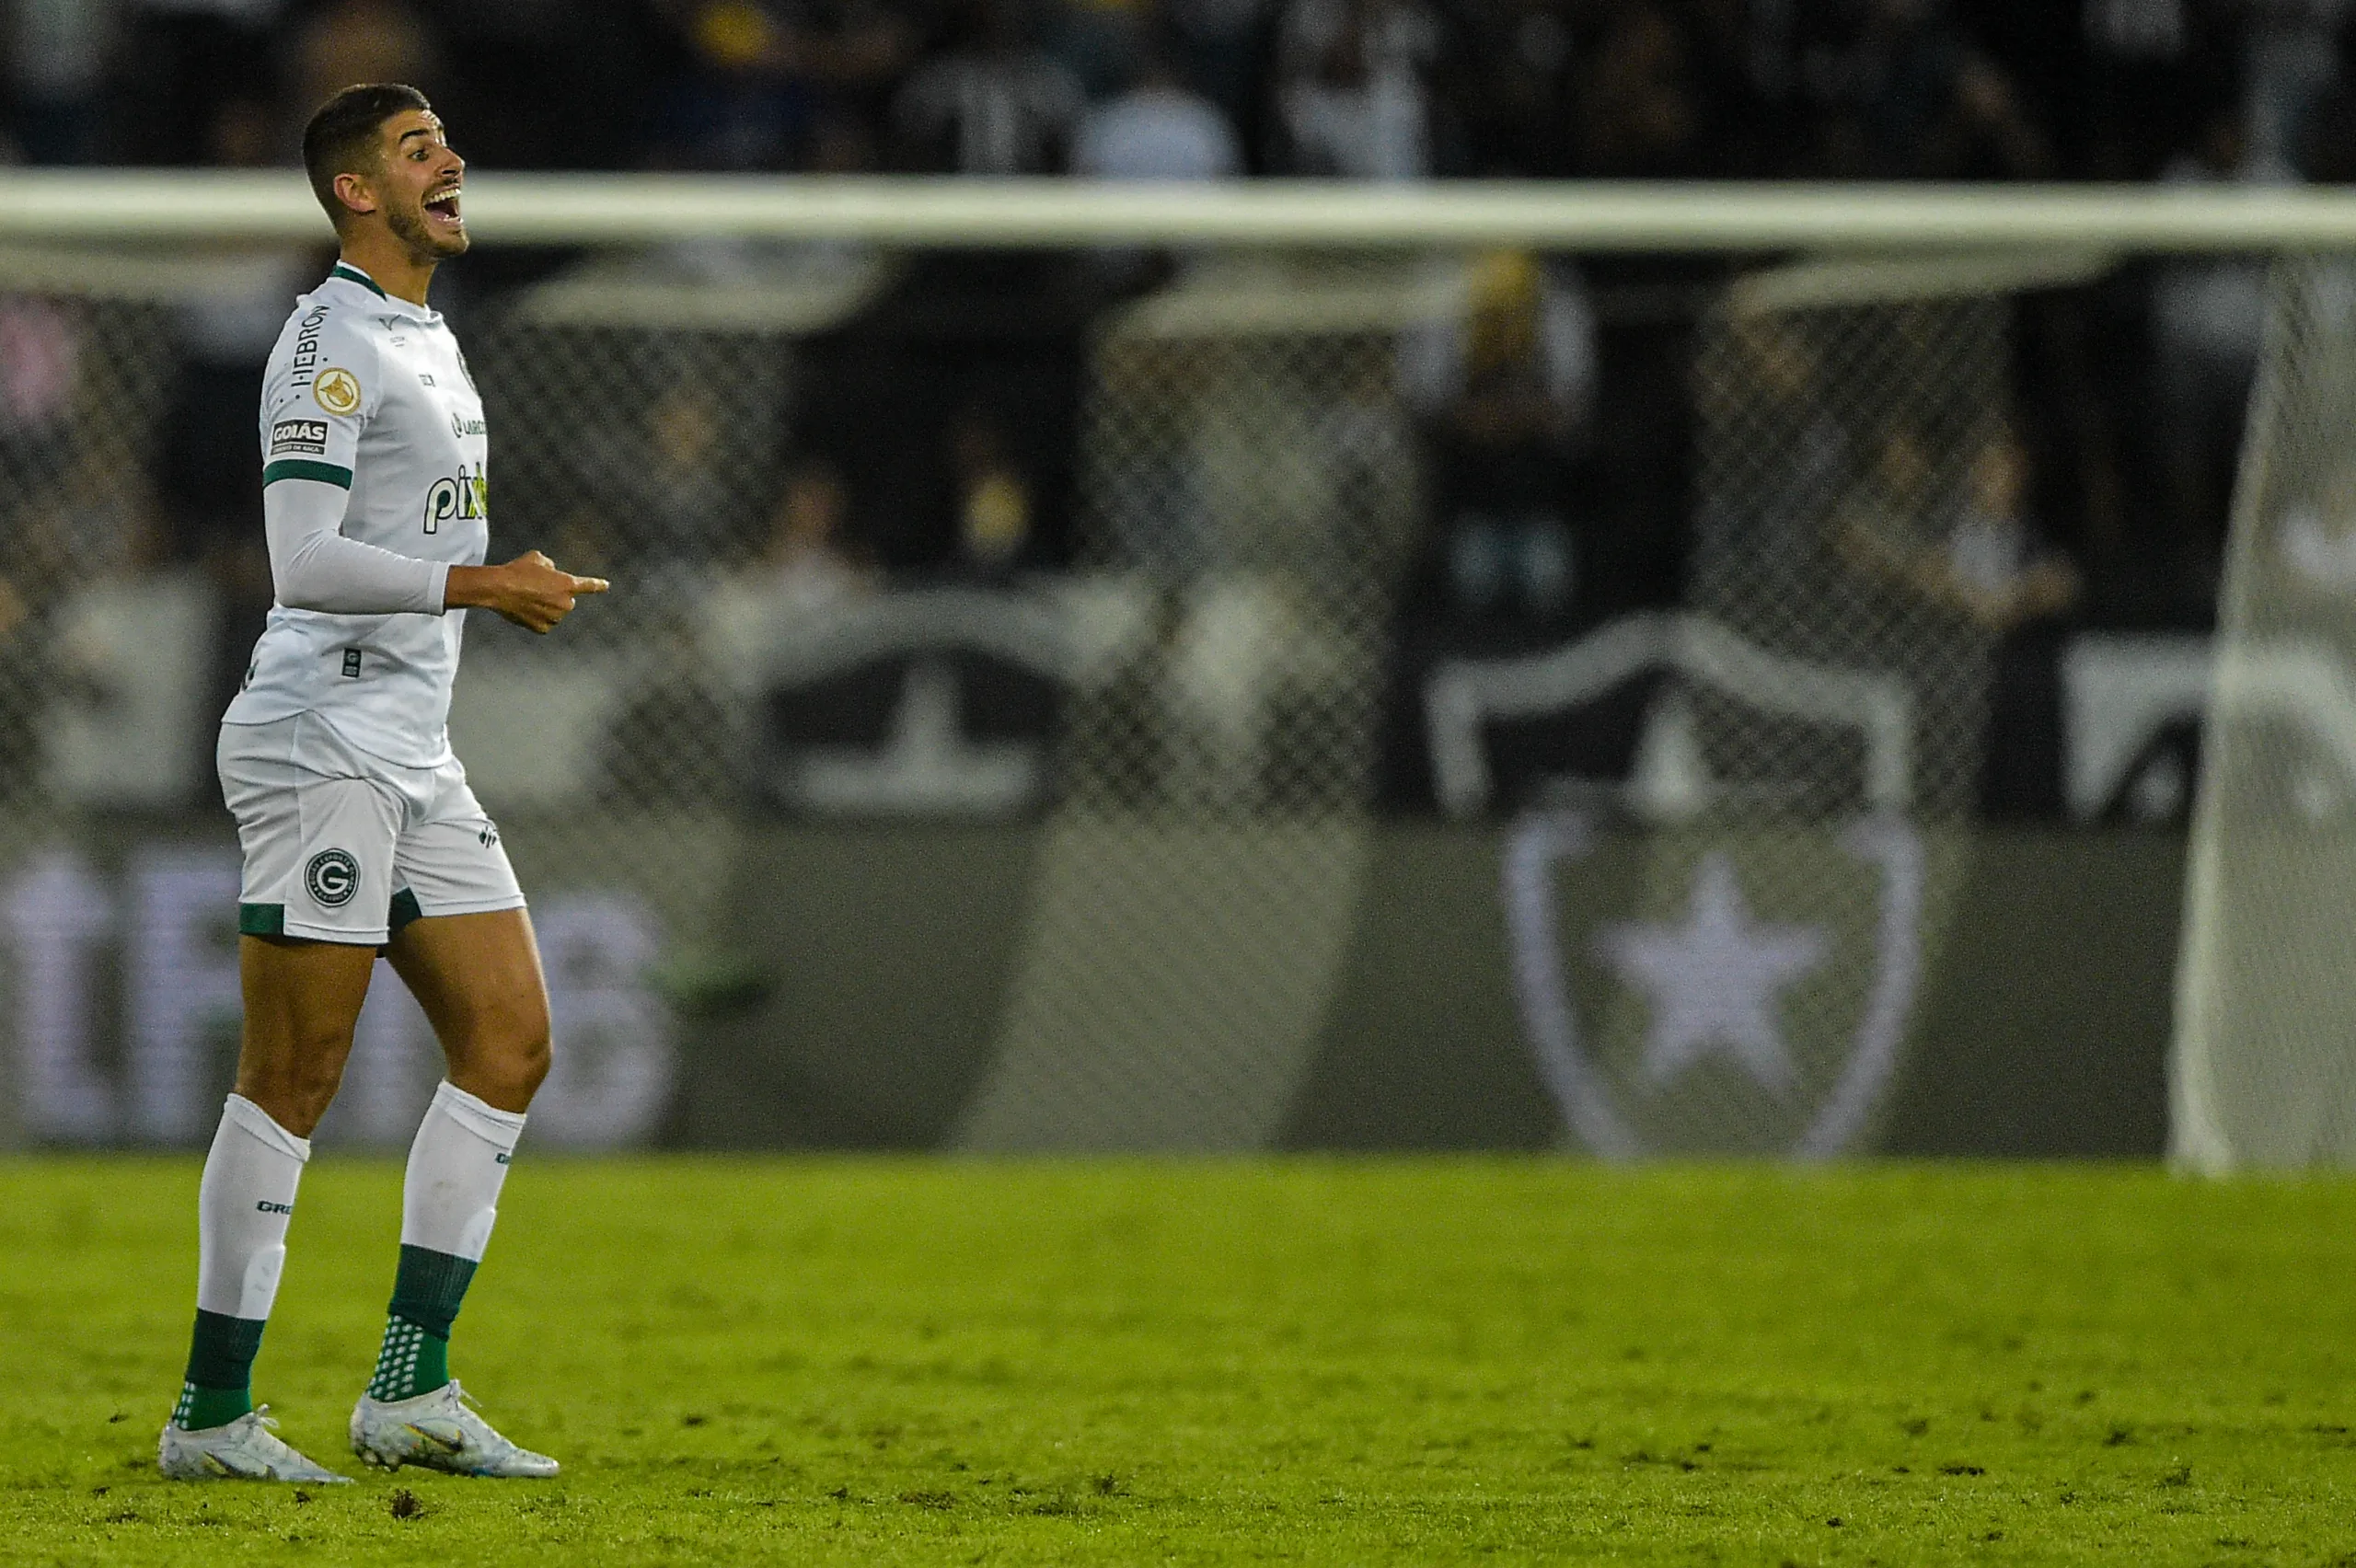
1715	984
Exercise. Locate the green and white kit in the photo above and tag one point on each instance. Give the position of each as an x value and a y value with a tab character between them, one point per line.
335	754
342	846
354	814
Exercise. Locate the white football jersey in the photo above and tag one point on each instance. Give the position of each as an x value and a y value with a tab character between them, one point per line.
370	393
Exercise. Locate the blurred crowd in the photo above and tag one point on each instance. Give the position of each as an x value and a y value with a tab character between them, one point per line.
1377	89
935	434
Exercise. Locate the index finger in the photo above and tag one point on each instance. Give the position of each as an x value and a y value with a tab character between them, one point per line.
590	584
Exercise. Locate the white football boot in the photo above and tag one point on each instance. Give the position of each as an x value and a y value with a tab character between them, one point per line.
438	1431
245	1449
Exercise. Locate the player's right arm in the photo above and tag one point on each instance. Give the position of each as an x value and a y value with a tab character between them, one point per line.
323	389
314	567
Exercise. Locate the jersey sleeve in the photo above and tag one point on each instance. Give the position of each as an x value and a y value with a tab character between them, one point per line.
319	393
321	390
314	567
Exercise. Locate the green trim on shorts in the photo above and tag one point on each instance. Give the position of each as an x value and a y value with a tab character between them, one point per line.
269	920
304	468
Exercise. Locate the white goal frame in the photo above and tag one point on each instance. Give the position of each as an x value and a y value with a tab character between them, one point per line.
604	209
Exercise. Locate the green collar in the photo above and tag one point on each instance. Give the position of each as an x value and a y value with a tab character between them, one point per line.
352	274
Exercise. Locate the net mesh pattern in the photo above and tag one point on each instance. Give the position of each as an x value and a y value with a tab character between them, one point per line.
1250	494
2263	1072
651	457
1838	457
1843	455
84	390
1250	487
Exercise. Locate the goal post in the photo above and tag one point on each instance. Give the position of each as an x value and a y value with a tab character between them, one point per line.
1221	658
2264	1069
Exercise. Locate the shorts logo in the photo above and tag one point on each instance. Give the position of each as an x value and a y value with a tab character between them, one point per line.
298	435
332	878
337	390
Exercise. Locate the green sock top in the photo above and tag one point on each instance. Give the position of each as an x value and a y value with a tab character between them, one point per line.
218	1386
428	1289
412	1362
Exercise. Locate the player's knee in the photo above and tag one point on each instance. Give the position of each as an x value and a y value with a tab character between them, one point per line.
530	1060
512	1060
295	1090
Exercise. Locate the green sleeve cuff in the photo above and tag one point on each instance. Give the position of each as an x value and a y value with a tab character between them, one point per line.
300	469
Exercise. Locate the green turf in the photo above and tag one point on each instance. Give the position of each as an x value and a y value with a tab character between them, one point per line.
1384	1362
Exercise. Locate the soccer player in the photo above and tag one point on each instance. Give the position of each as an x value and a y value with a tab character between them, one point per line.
359	832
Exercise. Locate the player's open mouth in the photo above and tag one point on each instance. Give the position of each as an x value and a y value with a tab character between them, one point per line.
443	208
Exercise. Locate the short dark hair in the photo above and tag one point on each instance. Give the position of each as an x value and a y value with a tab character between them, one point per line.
341	137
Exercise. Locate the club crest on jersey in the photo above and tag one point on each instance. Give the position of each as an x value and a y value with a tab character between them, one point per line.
460	498
298	435
338	391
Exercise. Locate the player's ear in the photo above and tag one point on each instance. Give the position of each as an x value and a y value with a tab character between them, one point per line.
352	190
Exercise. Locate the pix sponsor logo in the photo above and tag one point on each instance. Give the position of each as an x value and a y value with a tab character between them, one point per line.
462	498
298	435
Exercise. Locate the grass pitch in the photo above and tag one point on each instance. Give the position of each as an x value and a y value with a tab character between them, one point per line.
865	1361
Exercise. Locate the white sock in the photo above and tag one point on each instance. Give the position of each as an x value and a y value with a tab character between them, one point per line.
456	1165
449	1202
242	1208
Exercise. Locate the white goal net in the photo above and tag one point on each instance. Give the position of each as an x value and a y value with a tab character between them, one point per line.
2265	1061
1716	946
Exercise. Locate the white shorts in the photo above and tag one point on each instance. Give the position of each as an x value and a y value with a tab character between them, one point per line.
344	847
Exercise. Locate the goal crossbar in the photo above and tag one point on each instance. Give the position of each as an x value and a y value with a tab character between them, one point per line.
593	209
